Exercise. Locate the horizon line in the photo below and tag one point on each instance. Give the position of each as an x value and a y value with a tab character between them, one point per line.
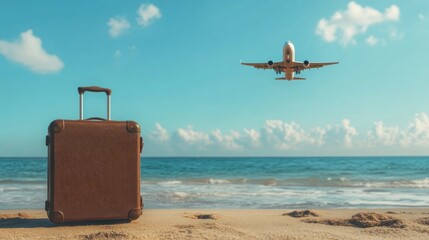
303	156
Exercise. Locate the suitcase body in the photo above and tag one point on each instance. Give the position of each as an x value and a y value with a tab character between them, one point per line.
93	170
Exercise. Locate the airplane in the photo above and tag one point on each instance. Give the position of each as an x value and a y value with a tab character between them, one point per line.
289	66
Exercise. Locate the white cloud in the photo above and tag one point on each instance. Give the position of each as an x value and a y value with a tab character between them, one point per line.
421	16
283	135
276	137
29	52
371	40
274	134
252	137
226	141
417	133
160	134
343	26
349	132
147	13
117	26
191	137
415	136
382	135
335	135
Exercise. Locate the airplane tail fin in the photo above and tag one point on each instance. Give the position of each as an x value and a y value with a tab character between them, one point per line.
295	78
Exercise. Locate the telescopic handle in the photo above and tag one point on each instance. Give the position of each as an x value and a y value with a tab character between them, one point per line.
82	90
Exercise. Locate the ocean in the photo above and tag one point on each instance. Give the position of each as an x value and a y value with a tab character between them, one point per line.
248	182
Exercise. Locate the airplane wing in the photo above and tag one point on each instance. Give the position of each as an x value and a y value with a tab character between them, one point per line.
301	65
264	65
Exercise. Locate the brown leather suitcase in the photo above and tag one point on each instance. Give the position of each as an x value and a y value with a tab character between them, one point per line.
93	168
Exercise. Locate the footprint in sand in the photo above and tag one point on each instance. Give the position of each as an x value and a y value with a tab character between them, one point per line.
363	220
105	235
14	215
185	228
300	214
201	216
390	212
423	221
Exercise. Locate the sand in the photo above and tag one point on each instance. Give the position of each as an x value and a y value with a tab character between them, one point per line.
229	224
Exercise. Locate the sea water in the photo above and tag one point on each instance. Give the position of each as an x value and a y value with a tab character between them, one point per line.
261	182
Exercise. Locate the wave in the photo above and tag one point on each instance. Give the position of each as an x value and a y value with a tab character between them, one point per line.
22	189
174	182
422	183
9	189
181	195
15	181
218	181
403	183
342	182
202	197
196	181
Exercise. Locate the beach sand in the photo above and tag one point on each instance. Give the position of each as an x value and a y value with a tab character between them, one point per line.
229	224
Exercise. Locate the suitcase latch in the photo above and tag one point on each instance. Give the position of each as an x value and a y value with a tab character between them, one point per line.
141	144
47	140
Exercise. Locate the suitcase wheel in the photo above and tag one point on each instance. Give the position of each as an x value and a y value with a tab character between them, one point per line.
135	213
56	216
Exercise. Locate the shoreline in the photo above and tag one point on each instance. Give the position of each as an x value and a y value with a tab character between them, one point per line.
386	223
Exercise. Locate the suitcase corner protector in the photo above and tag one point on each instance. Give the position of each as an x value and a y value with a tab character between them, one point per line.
133	127
56	216
56	126
134	213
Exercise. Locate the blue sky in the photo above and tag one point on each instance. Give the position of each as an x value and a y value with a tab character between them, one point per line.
174	67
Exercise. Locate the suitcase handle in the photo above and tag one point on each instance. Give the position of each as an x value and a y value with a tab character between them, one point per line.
82	90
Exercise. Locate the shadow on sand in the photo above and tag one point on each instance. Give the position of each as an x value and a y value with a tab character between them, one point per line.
25	223
45	223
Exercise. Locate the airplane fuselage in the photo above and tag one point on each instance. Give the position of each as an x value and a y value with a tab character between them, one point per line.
288	58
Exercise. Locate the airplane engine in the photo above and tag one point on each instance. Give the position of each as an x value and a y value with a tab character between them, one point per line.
270	63
306	64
